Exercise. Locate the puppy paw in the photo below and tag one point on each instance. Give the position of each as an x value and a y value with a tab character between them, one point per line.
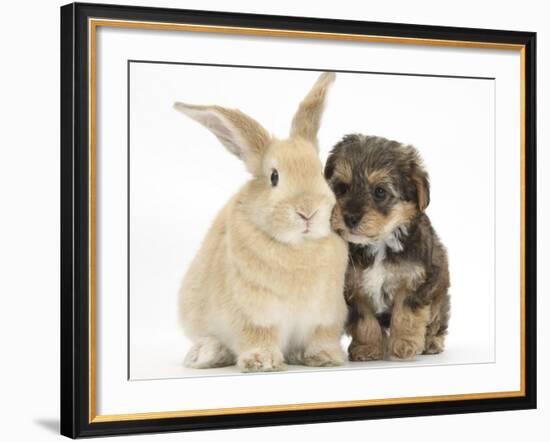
261	360
400	349
366	352
324	357
434	345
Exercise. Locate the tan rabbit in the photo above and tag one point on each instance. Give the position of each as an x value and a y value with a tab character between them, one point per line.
266	285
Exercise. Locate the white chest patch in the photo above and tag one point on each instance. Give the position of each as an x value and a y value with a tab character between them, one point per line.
373	283
378	273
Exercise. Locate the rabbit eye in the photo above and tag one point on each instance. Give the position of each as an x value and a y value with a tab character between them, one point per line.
274	177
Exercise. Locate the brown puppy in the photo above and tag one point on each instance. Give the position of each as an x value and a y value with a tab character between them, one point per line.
398	278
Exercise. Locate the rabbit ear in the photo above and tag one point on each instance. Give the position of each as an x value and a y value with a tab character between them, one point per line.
240	134
307	119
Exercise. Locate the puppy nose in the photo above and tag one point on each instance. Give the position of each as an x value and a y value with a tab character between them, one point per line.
306	216
352	219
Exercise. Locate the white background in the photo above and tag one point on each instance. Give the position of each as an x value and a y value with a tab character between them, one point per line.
29	234
180	177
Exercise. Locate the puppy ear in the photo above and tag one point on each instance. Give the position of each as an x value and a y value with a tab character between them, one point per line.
307	119
330	166
422	184
241	135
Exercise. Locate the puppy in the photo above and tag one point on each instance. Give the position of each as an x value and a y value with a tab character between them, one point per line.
398	278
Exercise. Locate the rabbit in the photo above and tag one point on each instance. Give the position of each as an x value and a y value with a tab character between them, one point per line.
266	286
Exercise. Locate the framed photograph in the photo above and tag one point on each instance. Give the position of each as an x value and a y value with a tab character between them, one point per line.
272	220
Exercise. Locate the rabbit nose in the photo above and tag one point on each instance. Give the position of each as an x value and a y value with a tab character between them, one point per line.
305	216
352	219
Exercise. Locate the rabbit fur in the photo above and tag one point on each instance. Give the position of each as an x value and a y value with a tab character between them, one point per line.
265	288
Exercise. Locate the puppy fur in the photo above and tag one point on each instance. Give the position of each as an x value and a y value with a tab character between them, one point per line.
398	278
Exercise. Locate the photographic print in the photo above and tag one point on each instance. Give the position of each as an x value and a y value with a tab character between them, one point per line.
398	147
281	220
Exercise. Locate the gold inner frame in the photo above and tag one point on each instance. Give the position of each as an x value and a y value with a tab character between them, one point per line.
93	24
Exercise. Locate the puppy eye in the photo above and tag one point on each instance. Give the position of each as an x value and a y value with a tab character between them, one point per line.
341	189
274	177
379	193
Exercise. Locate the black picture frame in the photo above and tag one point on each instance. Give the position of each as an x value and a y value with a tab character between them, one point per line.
75	220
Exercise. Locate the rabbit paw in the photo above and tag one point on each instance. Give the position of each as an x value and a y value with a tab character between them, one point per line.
261	360
324	357
209	353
